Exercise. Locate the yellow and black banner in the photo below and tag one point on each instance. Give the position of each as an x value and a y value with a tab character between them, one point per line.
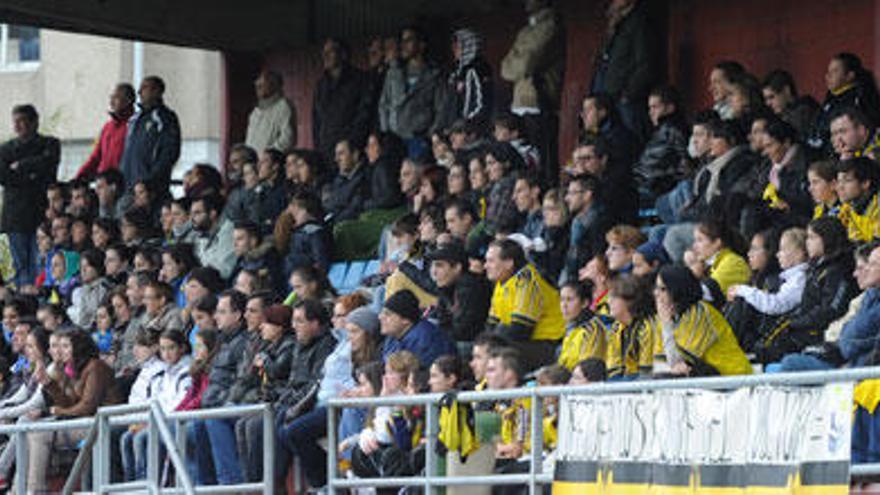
755	441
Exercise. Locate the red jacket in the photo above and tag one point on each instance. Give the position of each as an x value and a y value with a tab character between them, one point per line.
108	150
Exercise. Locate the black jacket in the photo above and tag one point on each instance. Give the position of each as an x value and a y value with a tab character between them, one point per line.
224	367
830	286
661	164
152	147
246	387
306	370
628	63
278	358
344	196
24	193
341	110
801	114
310	244
859	96
462	309
384	184
270	201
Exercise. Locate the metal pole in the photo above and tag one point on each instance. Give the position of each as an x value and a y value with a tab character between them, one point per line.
268	450
332	454
430	445
153	447
21	463
173	454
537	440
180	435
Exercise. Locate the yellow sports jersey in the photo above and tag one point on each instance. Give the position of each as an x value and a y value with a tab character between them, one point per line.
515	421
600	305
629	349
526	298
821	210
586	340
702	333
729	268
862	223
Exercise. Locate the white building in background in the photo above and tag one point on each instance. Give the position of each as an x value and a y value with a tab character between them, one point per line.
68	77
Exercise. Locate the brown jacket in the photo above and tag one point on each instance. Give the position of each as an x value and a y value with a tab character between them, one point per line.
94	387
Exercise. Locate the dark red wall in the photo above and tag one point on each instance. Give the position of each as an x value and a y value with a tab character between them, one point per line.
799	36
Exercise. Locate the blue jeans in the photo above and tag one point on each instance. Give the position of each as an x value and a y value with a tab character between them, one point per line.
669	205
351	423
133	447
803	362
24	256
200	464
221	432
300	438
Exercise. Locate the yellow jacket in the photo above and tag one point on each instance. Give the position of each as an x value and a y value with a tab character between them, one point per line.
630	348
586	340
528	299
702	333
862	222
729	268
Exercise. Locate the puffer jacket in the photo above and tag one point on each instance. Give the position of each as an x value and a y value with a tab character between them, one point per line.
310	244
246	388
306	370
85	300
169	386
345	195
276	367
662	162
224	367
413	110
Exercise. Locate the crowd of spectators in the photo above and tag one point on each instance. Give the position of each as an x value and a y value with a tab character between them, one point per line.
732	240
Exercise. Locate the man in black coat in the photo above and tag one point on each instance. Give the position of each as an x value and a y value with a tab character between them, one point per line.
346	194
28	164
464	297
627	65
342	101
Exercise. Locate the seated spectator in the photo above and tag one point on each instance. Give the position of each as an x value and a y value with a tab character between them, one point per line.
242	202
857	190
202	317
162	312
345	195
617	192
178	261
431	225
527	198
104	330
692	338
745	100
786	193
206	347
310	283
203	281
648	259
458	184
384	155
461	219
588	371
501	161
630	337
793	261
622	242
858	338
270	193
596	273
412	271
269	369
661	163
525	307
822	180
404	329
584	333
509	128
256	255
125	364
305	169
463	296
387	435
213	441
826	295
479	179
182	229
853	135
168	387
554	235
781	96
504	370
239	154
849	85
714	259
308	241
299	424
213	245
722	74
588	224
93	386
485	344
147	259
599	118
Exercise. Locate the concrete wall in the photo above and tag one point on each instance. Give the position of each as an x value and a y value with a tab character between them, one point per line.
797	35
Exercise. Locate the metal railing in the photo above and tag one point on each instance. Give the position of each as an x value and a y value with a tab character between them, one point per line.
535	477
97	446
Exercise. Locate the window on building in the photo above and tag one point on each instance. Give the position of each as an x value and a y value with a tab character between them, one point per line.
19	47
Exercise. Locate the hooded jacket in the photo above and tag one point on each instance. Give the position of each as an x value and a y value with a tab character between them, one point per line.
152	147
170	384
470	83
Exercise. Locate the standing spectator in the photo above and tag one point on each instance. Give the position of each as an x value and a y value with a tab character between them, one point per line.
413	99
111	142
535	65
272	123
471	80
152	145
849	85
28	164
341	108
627	65
781	96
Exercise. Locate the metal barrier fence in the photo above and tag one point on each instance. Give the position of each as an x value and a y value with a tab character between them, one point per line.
535	478
98	446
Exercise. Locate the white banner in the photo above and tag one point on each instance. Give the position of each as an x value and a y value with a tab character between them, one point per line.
764	436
